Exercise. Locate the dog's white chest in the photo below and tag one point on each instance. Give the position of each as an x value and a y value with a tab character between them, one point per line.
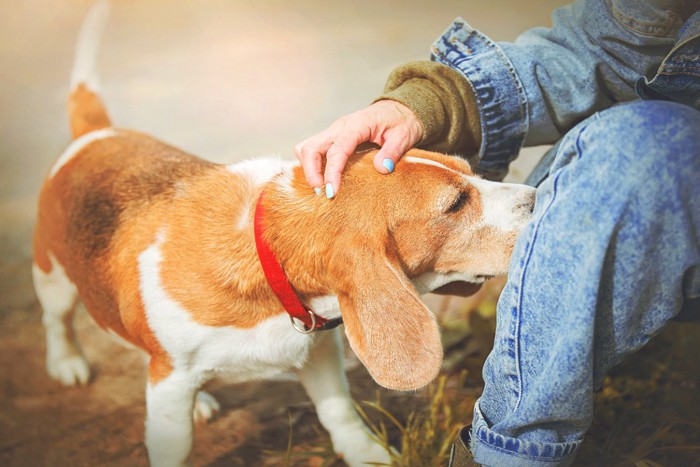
258	352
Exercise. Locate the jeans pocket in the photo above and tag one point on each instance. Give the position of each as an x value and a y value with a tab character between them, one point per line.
659	20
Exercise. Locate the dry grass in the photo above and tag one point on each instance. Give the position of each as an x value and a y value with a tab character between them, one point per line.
648	412
427	435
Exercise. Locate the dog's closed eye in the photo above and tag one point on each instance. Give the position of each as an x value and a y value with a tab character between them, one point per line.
459	202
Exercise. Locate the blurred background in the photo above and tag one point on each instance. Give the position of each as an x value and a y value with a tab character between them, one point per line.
221	79
225	80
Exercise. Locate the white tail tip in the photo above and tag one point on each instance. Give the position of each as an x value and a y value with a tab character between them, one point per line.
84	65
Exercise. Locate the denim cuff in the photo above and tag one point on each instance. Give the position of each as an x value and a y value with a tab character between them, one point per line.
499	93
493	449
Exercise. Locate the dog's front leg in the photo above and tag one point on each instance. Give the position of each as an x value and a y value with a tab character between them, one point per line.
323	377
169	424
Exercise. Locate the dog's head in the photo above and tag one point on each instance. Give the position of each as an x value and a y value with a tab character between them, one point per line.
430	222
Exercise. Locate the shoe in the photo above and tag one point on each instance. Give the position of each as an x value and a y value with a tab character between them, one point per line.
460	456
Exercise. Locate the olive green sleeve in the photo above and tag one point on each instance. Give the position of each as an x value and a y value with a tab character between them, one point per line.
444	103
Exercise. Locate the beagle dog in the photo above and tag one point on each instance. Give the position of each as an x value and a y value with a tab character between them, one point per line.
160	246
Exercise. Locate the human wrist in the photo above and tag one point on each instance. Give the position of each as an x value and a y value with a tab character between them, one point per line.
418	96
443	101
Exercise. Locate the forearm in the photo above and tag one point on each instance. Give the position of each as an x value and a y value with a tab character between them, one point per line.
496	98
589	60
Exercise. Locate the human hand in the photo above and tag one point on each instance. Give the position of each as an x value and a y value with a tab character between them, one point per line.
391	125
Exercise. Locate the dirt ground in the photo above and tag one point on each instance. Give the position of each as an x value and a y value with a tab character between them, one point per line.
227	81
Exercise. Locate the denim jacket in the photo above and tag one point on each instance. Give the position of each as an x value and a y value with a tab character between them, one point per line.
598	53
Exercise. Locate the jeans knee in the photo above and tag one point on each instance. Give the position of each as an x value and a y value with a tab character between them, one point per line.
667	126
644	141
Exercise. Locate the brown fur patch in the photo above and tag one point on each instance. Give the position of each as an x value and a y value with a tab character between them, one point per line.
210	265
86	112
88	212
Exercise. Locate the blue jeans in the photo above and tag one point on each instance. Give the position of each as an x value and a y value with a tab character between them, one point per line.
610	255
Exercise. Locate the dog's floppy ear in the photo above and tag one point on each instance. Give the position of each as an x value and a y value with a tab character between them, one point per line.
391	331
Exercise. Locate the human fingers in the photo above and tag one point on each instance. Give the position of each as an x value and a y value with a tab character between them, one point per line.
355	131
310	153
393	149
401	131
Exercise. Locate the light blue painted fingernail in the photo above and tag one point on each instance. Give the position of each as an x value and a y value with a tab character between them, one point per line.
317	190
388	165
329	191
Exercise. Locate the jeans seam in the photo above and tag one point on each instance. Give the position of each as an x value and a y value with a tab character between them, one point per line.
521	455
521	284
480	434
518	454
528	256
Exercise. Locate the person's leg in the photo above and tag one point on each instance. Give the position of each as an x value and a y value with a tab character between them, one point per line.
598	271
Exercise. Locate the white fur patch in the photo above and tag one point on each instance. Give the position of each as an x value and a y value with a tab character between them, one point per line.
258	172
205	407
259	352
326	306
58	295
244	220
420	160
78	145
169	415
285	181
505	205
261	170
84	66
429	281
55	290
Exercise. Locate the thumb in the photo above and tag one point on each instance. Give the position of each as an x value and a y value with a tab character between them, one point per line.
385	160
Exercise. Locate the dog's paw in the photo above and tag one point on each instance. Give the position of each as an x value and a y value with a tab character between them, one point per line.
376	455
69	370
361	449
205	407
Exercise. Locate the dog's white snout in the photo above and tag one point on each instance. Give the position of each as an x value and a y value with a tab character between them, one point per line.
528	200
506	206
523	202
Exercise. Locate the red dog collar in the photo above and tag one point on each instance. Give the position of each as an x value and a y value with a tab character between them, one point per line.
280	283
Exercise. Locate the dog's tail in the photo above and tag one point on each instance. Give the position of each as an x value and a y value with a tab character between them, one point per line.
85	109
